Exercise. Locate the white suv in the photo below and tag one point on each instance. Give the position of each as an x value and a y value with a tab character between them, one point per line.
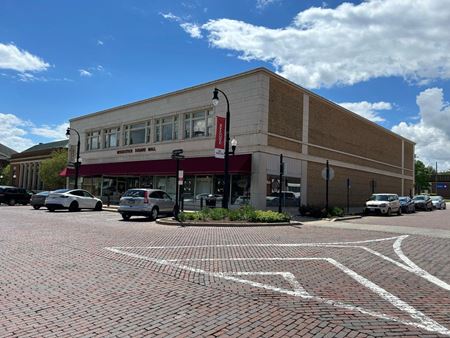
72	199
384	204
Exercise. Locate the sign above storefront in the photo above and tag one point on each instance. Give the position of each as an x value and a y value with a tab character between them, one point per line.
135	150
219	151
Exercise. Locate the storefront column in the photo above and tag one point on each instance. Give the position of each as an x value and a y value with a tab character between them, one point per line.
21	173
29	175
258	183
33	184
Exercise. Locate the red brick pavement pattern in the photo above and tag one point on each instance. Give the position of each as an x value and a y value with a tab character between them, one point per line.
57	279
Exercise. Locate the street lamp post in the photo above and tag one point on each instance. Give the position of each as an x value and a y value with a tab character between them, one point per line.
226	188
77	163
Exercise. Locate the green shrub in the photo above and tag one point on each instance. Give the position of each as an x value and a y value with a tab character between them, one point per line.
244	213
318	212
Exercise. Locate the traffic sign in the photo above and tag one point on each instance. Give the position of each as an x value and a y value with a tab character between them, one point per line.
330	173
176	152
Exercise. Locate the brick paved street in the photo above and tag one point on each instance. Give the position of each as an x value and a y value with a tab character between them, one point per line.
90	274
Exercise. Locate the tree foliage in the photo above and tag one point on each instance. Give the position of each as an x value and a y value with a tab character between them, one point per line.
50	169
423	176
7	176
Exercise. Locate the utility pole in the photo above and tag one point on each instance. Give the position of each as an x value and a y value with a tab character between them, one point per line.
348	196
326	185
281	183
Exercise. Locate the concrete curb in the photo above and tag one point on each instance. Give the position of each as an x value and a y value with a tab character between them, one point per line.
109	209
173	222
345	218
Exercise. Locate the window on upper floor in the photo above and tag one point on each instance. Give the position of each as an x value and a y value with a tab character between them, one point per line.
198	124
137	133
111	137
166	129
93	140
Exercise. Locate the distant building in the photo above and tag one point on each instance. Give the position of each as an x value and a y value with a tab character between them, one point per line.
5	155
440	185
25	165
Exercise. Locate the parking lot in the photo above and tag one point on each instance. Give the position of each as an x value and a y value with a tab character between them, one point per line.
436	219
90	274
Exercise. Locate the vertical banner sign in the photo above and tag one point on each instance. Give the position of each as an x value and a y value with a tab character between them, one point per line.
180	177
219	151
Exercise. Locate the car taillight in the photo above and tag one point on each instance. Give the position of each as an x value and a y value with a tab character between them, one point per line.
146	197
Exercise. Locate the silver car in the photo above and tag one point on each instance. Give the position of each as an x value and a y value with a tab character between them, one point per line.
145	202
438	202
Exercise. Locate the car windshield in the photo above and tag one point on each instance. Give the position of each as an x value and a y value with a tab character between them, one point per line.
436	198
419	198
44	193
403	199
379	198
134	193
61	191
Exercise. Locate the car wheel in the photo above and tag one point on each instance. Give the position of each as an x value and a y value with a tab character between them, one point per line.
399	212
154	214
126	217
388	213
98	206
36	207
73	206
51	209
12	202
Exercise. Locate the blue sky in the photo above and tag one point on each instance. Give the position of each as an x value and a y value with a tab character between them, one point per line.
61	59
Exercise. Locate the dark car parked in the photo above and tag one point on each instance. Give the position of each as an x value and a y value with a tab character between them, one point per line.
13	195
38	200
407	204
423	202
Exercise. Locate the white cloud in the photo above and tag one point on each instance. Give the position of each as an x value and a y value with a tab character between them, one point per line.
19	60
347	44
55	132
16	133
85	73
192	29
100	42
170	16
370	111
432	132
261	4
13	132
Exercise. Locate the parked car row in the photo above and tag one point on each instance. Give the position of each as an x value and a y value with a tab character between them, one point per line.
388	204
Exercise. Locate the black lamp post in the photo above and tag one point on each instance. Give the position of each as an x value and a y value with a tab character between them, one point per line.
226	189
77	163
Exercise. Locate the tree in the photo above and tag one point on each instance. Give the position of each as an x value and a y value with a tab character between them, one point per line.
6	173
423	176
49	170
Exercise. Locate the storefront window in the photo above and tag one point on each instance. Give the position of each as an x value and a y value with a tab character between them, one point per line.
240	189
146	182
198	124
93	140
111	137
166	129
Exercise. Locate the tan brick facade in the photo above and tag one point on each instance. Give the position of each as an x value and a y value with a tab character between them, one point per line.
357	148
285	113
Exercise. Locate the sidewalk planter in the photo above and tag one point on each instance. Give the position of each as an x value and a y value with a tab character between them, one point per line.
239	217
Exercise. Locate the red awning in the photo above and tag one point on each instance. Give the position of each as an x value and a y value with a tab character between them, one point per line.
239	164
66	172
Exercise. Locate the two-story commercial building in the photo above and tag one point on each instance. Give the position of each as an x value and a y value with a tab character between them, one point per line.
131	145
